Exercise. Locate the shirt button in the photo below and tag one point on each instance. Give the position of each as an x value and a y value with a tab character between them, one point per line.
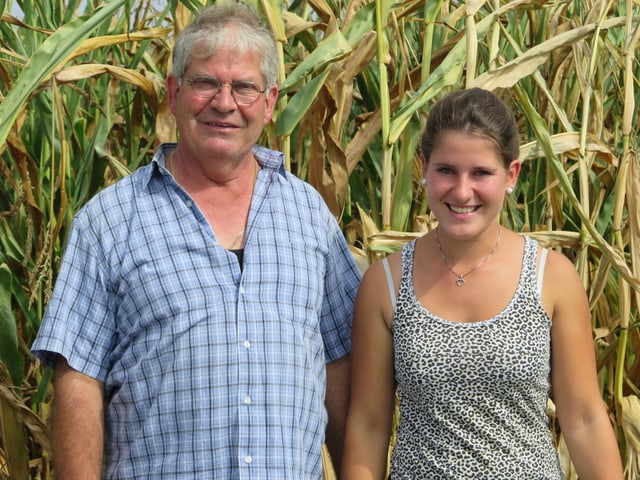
247	400
188	203
248	459
246	344
242	290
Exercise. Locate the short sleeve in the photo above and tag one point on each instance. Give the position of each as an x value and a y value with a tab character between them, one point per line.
78	323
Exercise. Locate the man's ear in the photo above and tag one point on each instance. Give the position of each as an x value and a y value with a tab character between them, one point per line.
271	97
173	87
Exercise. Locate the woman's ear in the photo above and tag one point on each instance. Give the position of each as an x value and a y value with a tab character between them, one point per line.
513	173
423	163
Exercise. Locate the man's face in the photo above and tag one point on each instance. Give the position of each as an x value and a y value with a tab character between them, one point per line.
220	129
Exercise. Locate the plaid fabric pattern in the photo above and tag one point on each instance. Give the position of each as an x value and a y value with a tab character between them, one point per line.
210	371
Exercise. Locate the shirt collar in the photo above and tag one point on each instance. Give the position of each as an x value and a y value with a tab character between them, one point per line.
267	158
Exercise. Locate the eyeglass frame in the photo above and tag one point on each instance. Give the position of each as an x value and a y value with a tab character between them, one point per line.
222	84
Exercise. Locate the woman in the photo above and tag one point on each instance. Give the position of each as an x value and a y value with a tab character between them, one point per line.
480	326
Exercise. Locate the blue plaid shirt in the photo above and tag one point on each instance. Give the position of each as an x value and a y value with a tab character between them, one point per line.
210	371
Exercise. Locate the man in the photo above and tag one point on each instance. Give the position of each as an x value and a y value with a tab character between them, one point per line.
200	298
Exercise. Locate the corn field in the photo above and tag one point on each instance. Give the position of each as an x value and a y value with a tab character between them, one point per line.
82	104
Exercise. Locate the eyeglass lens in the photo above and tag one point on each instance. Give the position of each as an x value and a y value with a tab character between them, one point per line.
242	91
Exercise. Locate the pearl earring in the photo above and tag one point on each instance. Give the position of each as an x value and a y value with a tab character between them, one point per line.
509	190
423	181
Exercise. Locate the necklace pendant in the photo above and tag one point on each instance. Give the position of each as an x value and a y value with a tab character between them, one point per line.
460	278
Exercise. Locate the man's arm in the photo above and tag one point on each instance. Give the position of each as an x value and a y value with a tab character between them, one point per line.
337	403
78	424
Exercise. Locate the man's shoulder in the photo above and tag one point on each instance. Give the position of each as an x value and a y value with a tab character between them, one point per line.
124	188
116	199
274	160
301	192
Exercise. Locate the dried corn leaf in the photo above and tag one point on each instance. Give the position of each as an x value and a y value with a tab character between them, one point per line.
95	43
566	465
531	60
630	422
79	72
633	210
33	423
568	143
294	24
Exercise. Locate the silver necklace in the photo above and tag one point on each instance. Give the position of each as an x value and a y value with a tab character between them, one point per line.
460	280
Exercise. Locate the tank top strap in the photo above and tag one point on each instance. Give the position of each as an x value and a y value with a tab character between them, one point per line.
390	286
407	261
530	272
541	266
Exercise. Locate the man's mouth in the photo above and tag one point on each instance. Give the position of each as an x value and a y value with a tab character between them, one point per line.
219	124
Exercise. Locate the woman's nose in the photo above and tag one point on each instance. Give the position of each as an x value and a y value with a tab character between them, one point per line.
463	188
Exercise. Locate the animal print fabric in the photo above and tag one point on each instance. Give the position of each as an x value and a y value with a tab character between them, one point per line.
473	396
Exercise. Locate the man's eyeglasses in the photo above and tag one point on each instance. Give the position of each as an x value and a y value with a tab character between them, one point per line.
244	93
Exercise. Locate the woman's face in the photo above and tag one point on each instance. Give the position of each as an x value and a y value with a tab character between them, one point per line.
466	183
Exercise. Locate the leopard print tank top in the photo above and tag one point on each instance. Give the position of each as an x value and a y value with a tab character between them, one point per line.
473	396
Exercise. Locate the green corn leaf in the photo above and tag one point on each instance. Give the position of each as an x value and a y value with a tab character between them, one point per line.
13	437
299	104
48	58
329	50
9	353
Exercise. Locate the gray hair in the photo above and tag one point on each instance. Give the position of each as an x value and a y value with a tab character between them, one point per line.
210	30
